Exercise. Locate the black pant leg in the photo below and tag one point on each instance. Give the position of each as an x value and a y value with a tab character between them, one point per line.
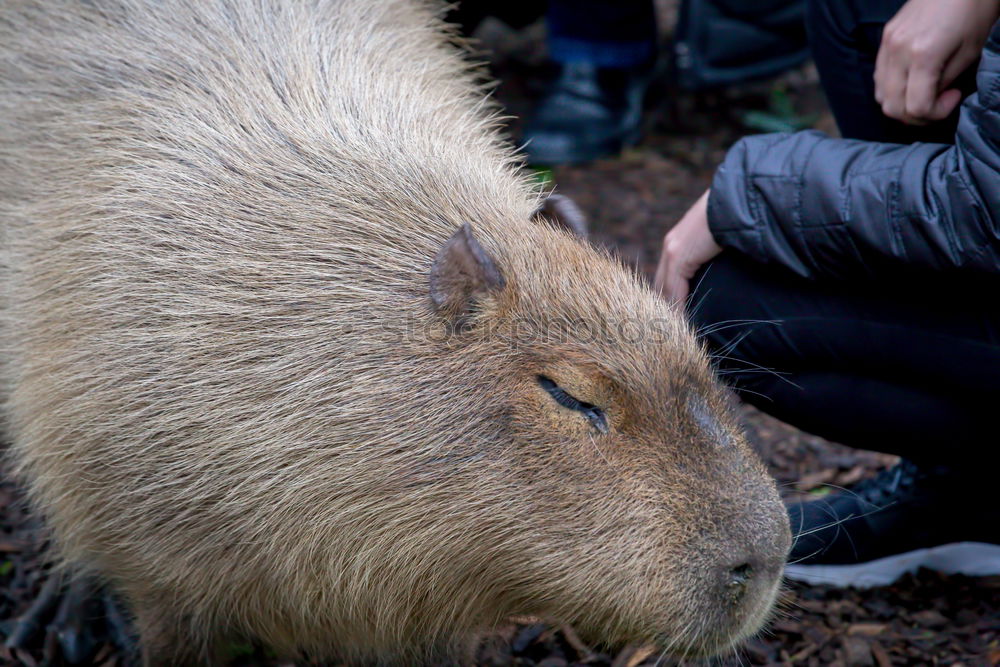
604	33
910	369
844	36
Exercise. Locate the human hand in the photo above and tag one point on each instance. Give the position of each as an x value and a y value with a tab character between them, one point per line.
925	46
685	248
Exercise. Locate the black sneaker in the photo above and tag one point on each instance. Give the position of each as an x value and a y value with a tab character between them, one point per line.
902	519
589	112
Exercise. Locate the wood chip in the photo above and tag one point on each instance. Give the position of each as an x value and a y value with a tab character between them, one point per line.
930	618
880	655
804	653
866	629
25	658
632	655
816	479
852	476
573	639
857	652
11	546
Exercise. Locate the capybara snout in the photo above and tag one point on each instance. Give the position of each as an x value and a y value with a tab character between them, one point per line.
747	573
288	358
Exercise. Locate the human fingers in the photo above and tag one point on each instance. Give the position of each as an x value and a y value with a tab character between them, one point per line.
891	72
921	91
677	287
945	104
662	267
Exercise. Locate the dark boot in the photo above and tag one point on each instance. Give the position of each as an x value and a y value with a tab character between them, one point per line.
589	112
902	519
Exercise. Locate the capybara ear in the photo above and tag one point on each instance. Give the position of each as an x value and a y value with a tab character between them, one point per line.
462	273
563	212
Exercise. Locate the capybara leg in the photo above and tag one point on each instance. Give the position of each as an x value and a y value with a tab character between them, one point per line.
167	641
69	611
74	624
33	621
120	629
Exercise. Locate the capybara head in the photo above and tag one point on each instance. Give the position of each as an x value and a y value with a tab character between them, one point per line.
646	515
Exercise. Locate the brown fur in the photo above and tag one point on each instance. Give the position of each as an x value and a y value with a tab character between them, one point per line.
230	392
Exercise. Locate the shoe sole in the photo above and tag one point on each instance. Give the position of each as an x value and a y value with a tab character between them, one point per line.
973	559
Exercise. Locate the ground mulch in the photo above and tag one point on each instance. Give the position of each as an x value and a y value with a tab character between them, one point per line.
923	619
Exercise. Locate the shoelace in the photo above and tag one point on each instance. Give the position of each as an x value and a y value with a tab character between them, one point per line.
884	488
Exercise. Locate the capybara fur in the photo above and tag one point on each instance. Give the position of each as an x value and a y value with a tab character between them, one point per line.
287	358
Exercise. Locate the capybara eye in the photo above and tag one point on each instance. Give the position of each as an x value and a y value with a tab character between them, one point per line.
594	414
709	424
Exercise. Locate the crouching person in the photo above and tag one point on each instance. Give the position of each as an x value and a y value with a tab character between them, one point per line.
865	272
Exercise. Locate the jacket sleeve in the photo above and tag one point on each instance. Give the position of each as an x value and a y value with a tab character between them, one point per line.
840	208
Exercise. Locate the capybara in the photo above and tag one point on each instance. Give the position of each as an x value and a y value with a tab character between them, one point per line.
288	358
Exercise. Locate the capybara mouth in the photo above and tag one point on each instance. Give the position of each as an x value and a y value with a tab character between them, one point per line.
712	635
756	614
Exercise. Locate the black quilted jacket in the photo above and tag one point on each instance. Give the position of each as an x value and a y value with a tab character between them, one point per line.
845	209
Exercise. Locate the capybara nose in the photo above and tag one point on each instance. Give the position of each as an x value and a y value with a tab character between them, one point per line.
749	574
740	575
736	579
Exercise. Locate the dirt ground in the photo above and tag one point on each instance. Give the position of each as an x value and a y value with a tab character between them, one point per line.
631	200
